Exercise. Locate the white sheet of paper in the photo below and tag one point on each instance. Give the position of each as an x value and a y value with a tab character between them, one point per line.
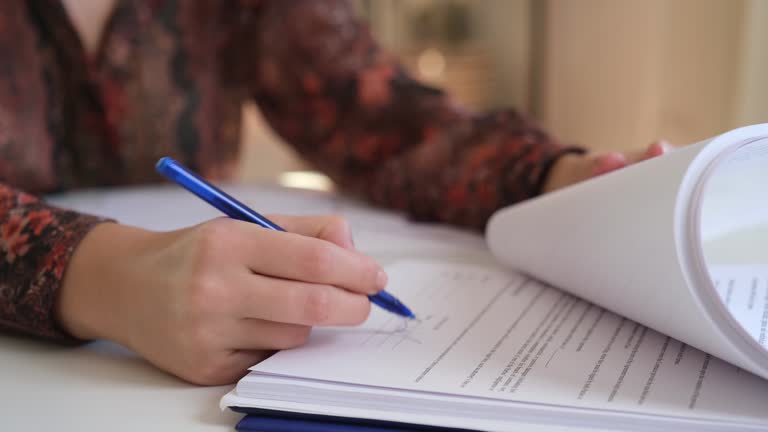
744	291
492	334
635	229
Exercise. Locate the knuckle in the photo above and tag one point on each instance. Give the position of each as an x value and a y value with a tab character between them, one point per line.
214	235
213	229
301	335
361	312
337	223
203	295
317	305
337	230
319	262
370	274
293	337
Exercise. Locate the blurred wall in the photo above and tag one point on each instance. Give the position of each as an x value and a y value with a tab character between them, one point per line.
752	105
488	65
620	73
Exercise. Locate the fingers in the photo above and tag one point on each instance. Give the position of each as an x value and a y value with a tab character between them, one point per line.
612	161
299	303
334	229
294	256
211	300
608	162
655	149
224	368
255	334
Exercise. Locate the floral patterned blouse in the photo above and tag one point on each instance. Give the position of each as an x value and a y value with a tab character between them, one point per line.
170	77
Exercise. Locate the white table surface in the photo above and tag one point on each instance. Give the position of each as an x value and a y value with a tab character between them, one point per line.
103	387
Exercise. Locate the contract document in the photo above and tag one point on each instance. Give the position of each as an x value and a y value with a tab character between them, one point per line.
490	343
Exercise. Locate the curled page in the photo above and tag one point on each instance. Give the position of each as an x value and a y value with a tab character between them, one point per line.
633	241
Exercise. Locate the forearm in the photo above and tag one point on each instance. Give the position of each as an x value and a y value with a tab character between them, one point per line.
352	111
469	171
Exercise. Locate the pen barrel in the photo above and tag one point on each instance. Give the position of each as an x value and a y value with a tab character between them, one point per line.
209	193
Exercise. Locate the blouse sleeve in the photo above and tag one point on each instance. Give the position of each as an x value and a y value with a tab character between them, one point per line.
350	109
36	239
36	243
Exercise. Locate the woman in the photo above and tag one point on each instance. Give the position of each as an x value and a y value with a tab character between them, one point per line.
97	102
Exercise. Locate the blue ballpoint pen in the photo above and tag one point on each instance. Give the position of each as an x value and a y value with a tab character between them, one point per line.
237	210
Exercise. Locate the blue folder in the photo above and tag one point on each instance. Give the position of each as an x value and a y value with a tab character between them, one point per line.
260	420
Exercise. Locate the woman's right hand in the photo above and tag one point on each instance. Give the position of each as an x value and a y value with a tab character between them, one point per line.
209	301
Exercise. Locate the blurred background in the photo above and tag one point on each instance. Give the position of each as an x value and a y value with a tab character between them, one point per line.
605	74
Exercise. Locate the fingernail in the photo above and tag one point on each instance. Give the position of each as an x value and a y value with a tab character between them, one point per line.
381	280
665	146
608	162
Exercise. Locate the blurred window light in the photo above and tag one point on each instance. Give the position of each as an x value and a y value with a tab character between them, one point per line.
431	64
312	180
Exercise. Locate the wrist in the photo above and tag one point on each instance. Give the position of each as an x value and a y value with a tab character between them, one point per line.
566	170
98	278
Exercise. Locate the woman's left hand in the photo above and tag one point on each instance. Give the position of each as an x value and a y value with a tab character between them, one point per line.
573	168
